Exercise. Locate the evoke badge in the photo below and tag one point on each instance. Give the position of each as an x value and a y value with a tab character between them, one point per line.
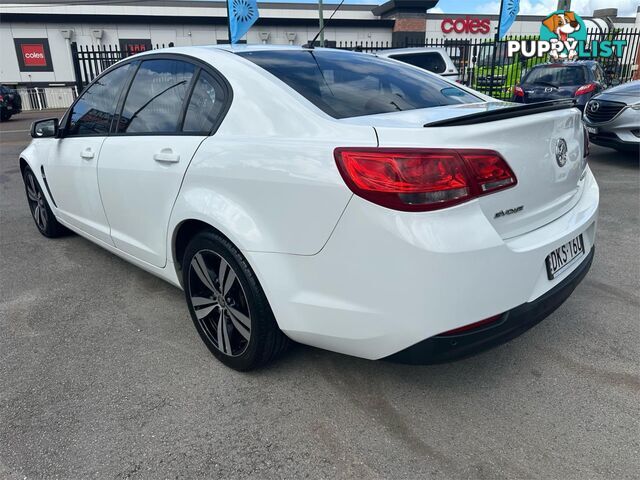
561	152
509	211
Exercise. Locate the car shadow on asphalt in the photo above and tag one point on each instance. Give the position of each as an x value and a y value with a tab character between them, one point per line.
628	160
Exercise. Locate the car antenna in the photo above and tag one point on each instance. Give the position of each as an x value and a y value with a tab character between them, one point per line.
310	45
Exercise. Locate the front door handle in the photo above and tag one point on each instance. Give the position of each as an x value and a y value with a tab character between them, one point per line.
87	153
166	155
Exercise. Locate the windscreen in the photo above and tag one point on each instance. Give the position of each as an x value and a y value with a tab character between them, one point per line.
346	84
502	58
557	76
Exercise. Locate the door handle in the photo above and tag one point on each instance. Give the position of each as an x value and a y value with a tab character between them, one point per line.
87	153
166	155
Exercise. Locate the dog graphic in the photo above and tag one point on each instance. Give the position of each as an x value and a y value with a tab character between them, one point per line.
563	25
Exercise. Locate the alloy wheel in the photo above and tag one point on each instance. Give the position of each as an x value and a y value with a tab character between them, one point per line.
37	202
219	302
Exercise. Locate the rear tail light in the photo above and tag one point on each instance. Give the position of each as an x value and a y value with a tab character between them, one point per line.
589	87
518	91
419	180
471	326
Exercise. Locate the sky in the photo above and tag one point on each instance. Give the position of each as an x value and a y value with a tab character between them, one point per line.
626	8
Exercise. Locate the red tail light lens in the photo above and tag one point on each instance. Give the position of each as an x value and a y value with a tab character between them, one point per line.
589	87
518	91
418	180
471	326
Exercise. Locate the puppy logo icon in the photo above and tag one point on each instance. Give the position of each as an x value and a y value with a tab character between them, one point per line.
563	27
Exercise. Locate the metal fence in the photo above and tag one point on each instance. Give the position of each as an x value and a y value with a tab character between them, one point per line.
90	60
482	64
38	98
489	69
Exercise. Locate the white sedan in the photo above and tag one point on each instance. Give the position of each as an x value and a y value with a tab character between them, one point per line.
333	198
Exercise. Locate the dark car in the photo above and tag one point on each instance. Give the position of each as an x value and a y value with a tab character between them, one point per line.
553	81
10	102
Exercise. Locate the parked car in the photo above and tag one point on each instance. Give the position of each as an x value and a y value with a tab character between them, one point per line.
432	59
10	103
551	81
613	117
334	198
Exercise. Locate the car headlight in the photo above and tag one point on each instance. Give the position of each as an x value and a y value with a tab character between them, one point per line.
635	106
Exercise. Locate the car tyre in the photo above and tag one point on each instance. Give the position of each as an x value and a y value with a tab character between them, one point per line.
227	304
41	213
5	116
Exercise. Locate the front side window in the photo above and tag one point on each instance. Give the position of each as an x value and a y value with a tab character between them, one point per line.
155	99
431	61
345	84
205	105
94	110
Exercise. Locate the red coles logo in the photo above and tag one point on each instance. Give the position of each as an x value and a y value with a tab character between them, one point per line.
466	25
33	55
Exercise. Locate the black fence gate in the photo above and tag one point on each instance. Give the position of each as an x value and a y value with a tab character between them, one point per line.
89	61
483	64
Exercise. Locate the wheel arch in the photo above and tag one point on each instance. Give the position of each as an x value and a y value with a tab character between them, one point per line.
23	165
183	232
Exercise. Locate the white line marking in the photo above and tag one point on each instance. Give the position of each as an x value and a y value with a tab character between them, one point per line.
13	131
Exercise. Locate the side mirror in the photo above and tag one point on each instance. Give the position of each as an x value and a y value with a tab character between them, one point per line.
614	82
45	128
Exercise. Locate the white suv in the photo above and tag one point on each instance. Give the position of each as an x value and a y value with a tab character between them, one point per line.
432	59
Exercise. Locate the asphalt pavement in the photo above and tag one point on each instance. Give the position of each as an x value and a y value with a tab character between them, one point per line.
102	375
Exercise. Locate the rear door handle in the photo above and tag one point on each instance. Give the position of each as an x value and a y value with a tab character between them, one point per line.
166	155
87	153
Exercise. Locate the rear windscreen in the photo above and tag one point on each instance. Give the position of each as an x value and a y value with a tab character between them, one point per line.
345	84
557	76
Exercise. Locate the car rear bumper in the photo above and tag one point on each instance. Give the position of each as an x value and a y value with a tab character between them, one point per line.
387	280
445	348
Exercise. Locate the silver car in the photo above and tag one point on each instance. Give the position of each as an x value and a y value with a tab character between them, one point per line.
612	118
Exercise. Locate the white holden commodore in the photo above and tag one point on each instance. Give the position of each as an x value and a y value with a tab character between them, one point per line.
345	201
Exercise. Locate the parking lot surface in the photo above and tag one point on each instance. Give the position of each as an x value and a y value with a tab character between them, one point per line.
102	375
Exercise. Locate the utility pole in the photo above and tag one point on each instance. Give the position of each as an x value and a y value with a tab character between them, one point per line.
321	22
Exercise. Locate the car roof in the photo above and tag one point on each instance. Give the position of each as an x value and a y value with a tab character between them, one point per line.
256	47
394	51
579	63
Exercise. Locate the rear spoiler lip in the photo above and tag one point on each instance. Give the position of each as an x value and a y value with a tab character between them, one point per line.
505	113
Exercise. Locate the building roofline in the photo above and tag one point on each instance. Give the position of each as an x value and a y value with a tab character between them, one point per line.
186	4
526	18
195	20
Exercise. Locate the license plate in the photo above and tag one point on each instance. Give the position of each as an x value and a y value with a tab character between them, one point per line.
564	256
592	130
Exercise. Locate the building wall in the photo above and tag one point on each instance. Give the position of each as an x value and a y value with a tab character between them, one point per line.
525	25
178	34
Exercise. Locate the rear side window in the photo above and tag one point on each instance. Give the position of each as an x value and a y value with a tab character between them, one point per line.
155	99
94	110
205	106
431	61
557	76
345	84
